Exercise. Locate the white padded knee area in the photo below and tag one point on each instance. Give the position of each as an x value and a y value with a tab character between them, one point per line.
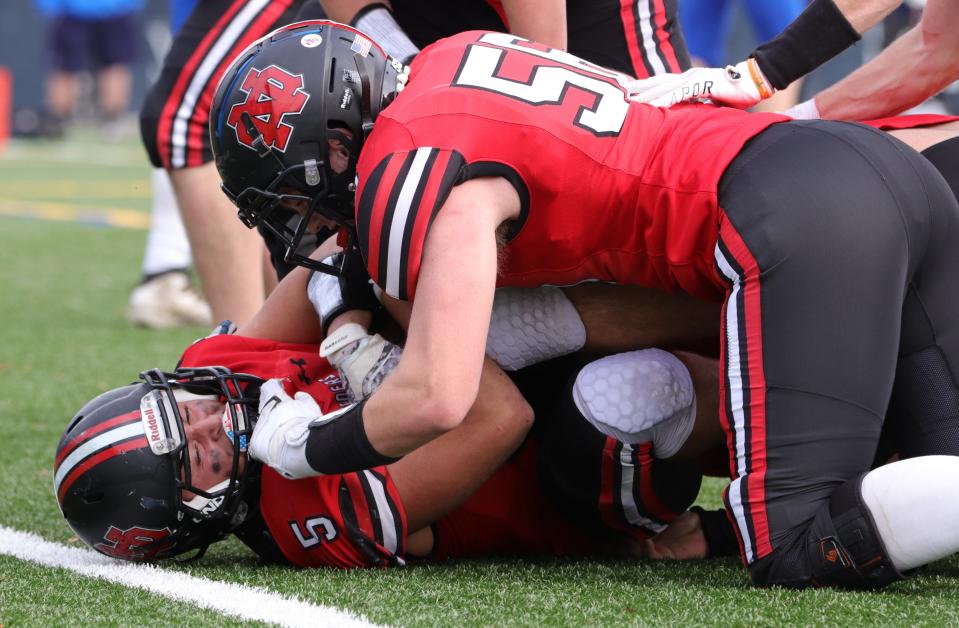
915	506
639	396
531	325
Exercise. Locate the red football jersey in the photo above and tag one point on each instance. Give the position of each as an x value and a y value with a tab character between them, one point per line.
611	189
358	519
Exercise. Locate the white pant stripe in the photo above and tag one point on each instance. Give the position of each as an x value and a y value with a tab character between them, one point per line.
649	37
630	509
213	59
734	395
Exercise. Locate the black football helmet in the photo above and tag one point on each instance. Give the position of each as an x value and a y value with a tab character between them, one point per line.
123	464
287	123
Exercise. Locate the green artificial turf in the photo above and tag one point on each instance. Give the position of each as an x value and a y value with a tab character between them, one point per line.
63	339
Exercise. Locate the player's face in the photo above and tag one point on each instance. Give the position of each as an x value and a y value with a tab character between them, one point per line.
209	448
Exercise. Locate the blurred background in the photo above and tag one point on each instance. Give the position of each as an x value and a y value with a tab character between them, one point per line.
726	32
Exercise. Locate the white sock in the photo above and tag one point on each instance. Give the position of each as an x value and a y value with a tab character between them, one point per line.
167	246
915	504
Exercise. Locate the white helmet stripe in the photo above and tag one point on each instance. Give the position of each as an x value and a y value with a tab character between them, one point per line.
95	444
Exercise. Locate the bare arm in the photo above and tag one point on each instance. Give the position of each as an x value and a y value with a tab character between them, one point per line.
543	21
916	66
441	475
288	316
438	376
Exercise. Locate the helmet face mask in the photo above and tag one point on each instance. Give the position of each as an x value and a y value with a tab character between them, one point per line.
287	124
123	475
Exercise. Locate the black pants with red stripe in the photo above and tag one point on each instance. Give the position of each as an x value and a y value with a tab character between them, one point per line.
173	119
638	37
609	488
839	244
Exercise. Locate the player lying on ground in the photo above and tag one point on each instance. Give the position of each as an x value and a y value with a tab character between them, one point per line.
495	161
152	470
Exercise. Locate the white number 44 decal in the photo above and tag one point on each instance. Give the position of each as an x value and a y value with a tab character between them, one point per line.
313	525
548	84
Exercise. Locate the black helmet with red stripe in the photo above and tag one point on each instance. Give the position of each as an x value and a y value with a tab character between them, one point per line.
287	123
122	473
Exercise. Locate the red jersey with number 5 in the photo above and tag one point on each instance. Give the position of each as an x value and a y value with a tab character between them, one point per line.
611	190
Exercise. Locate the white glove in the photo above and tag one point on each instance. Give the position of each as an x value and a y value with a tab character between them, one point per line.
279	437
806	110
362	359
741	86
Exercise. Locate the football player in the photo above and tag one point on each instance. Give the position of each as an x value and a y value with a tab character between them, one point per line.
638	36
159	468
497	161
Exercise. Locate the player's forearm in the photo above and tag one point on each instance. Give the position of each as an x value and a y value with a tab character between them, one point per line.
916	66
543	21
440	476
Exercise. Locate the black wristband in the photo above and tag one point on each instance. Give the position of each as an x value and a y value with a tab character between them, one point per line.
719	533
816	36
341	445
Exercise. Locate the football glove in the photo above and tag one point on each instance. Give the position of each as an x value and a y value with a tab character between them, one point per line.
741	86
351	290
362	359
279	437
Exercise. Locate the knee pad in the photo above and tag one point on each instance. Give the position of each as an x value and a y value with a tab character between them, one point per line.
607	486
639	396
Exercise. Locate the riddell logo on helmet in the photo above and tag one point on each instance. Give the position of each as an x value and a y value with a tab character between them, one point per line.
271	95
153	428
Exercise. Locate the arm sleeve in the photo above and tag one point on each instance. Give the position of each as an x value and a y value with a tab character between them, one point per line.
816	36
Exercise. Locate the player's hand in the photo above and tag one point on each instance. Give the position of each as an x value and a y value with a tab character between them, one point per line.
283	425
741	86
362	359
682	540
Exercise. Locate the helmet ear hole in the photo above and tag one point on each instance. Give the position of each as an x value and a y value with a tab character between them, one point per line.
73	423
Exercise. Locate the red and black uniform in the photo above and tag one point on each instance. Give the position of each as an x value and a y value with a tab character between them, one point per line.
639	37
173	119
359	520
830	243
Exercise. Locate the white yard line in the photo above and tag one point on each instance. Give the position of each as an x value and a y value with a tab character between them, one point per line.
244	602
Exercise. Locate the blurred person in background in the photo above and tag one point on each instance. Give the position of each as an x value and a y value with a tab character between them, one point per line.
707	25
165	296
631	36
96	35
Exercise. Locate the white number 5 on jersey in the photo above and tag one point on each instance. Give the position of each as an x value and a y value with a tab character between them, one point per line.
548	84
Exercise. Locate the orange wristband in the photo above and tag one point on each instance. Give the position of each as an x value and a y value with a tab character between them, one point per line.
765	89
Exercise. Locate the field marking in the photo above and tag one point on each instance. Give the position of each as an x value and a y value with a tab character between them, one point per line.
68	212
241	601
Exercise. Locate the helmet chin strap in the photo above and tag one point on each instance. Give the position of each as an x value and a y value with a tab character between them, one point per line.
206	505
